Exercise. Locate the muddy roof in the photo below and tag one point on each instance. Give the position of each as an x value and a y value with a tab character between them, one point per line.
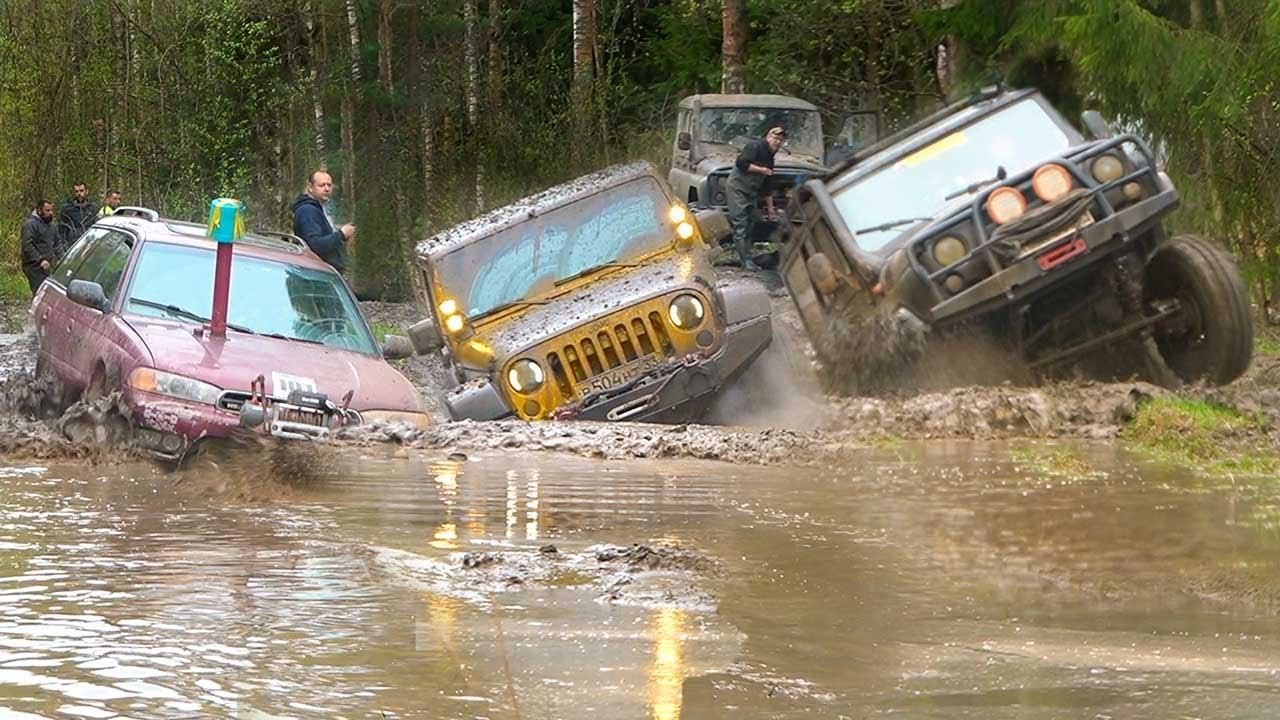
525	208
717	100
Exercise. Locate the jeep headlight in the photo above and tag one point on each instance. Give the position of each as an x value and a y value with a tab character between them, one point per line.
416	420
175	386
525	376
1107	168
686	312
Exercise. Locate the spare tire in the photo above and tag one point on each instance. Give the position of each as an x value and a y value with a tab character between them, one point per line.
1210	337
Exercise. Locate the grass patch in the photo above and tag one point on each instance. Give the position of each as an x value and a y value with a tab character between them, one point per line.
1267	346
1055	461
13	286
1214	439
382	330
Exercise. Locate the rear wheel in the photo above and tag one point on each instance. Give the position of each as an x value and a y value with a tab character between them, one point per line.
1210	335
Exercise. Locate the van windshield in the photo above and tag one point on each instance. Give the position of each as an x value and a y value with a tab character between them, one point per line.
526	260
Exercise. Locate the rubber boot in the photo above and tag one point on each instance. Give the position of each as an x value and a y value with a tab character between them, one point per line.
743	245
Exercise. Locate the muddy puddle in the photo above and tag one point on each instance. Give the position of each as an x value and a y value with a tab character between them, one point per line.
956	579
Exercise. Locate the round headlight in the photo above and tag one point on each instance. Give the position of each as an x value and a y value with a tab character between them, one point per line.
1107	168
677	214
525	376
1051	182
1005	204
686	312
948	250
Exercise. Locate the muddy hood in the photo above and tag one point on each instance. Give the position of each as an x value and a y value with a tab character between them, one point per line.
615	291
233	363
781	162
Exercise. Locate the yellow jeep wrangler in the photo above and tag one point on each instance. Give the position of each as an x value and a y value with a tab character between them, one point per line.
594	299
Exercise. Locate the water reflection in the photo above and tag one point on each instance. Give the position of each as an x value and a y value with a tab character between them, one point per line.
667	671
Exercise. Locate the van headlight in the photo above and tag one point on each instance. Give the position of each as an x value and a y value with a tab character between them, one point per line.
525	376
686	312
175	386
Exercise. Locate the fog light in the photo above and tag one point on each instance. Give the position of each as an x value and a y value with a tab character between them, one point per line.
1005	204
449	307
705	338
454	323
1107	168
948	250
1133	190
954	283
532	408
684	231
677	214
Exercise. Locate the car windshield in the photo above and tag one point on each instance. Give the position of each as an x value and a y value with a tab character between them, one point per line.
267	297
738	126
1015	138
526	260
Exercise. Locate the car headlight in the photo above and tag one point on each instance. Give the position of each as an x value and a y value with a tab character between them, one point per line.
948	250
1005	204
686	312
175	386
416	420
1051	182
525	376
1107	168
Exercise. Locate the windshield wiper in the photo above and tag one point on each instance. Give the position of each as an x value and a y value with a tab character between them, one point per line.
891	224
185	313
594	269
282	336
974	187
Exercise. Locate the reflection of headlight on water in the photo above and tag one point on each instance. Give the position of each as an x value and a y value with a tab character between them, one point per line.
686	312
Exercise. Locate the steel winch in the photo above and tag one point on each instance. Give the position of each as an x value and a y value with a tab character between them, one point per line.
303	415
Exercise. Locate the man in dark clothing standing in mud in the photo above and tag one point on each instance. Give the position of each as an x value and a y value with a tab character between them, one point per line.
312	223
749	178
38	240
76	215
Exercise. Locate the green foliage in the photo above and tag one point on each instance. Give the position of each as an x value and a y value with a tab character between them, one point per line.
1214	439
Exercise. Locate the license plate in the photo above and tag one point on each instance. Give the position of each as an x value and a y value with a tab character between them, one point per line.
622	375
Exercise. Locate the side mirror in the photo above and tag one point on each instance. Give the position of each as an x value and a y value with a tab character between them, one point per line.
425	337
88	294
684	141
822	273
1097	127
396	347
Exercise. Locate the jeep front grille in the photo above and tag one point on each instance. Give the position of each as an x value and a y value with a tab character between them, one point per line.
626	340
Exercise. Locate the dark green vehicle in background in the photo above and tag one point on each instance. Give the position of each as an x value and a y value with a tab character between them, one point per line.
996	216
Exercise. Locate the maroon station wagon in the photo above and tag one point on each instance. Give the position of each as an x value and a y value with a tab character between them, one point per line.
128	308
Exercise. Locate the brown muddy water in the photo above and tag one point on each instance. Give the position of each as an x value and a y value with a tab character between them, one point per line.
954	580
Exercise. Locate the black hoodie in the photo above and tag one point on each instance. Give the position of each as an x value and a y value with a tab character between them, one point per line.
312	225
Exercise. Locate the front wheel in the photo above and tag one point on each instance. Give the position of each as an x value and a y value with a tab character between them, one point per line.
1209	337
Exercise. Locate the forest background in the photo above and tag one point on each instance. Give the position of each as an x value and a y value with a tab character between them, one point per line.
430	112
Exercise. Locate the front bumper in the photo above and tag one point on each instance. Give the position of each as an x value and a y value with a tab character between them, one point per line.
170	428
682	391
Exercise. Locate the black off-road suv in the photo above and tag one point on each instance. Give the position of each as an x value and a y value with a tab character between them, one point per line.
996	216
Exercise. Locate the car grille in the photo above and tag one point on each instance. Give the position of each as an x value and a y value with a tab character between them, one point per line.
626	340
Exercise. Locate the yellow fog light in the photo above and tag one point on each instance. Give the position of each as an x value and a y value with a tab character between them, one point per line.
525	376
1133	191
677	214
1107	168
686	312
449	307
684	231
454	323
948	250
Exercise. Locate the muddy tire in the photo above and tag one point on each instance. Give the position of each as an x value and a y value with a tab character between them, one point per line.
1210	338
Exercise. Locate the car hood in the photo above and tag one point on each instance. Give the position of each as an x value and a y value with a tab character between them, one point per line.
781	162
620	289
233	363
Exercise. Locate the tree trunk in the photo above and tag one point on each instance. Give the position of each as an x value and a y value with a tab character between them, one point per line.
495	59
1196	10
584	77
733	48
385	11
348	153
353	27
313	81
472	52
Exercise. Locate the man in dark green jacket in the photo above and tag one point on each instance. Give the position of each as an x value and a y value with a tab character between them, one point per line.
747	181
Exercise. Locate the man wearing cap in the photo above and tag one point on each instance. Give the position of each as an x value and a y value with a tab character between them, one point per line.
747	181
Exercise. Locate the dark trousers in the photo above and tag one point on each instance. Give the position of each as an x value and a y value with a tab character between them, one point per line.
35	276
743	213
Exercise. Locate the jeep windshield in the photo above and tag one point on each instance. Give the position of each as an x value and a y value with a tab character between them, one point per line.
1017	137
735	127
609	229
267	297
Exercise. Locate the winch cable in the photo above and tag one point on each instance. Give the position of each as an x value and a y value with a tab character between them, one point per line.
1008	239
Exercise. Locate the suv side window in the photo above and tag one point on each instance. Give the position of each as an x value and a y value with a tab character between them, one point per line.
63	271
105	262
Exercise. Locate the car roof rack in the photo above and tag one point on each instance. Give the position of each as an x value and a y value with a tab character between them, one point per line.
261	238
136	211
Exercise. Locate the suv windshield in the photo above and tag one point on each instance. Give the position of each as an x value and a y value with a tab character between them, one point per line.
737	126
613	226
1016	138
267	297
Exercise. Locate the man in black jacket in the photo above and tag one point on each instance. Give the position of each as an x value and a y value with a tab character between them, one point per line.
746	182
76	215
312	223
38	239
